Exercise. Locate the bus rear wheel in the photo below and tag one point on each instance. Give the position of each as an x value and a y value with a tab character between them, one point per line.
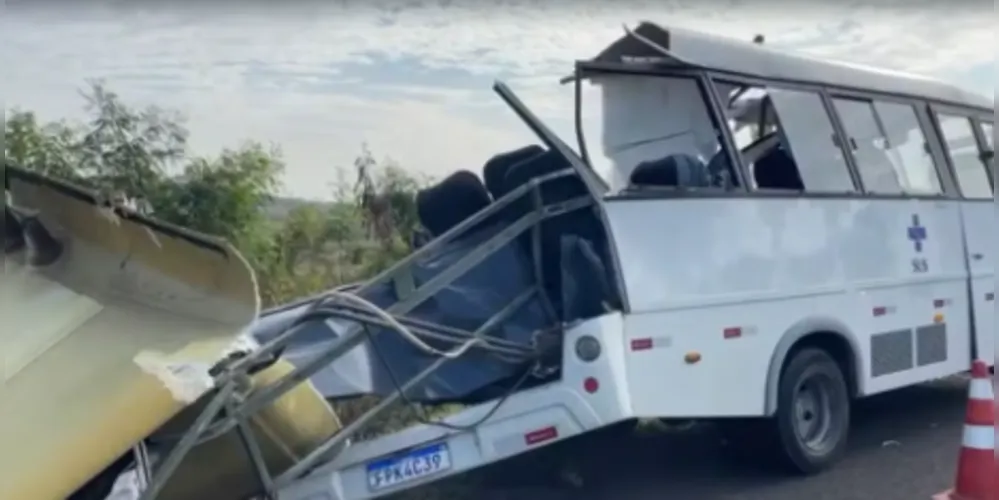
809	430
813	412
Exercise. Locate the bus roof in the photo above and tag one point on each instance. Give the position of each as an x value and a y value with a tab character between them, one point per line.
685	48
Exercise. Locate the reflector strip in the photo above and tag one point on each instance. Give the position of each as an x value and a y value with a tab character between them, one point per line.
979	437
981	389
540	436
641	344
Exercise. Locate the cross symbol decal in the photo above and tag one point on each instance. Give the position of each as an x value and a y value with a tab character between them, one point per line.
917	233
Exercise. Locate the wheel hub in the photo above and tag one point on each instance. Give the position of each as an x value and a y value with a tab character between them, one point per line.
814	414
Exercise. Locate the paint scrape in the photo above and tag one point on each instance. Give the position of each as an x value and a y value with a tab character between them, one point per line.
186	381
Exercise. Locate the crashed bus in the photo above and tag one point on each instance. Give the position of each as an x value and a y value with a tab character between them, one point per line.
753	237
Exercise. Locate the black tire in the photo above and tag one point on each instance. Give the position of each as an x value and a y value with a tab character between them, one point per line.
812	437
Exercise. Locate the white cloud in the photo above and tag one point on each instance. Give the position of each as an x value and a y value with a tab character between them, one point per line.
201	62
527	38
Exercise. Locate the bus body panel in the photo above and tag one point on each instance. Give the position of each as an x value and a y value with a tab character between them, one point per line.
980	222
732	377
729	278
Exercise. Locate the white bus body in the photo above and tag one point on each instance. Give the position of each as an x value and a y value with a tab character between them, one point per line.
741	297
724	285
903	284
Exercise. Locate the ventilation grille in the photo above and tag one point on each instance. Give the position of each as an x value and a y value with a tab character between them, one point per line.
931	344
892	352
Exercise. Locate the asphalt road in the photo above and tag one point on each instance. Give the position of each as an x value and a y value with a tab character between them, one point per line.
903	447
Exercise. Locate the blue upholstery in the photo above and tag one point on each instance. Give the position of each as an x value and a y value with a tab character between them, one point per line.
679	170
580	225
720	170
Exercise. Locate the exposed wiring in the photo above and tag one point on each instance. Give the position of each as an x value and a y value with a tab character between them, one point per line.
420	411
320	310
392	323
419	344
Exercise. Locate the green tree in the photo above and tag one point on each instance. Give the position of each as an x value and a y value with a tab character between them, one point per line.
123	149
225	195
143	153
49	149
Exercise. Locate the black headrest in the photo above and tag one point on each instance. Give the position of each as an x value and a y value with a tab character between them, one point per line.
495	170
777	170
546	163
454	199
678	170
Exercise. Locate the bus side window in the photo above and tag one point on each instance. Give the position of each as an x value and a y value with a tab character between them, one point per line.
989	132
808	132
990	140
867	143
905	144
962	149
784	139
664	126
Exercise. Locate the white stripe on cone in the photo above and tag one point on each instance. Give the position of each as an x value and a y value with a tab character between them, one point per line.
981	389
979	437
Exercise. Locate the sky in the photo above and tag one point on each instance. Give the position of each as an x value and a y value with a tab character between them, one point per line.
412	78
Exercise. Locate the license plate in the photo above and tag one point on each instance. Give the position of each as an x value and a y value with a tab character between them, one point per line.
413	465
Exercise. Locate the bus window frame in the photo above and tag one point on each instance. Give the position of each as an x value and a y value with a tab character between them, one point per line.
926	109
981	123
983	146
712	105
948	185
974	117
848	159
848	134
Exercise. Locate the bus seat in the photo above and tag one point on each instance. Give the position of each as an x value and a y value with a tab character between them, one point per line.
582	224
456	198
720	170
420	237
585	280
495	170
777	170
677	170
553	191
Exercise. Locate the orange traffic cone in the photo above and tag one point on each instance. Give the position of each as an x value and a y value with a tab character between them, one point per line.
977	468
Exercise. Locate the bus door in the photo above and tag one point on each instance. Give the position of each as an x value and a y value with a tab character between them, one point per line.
966	148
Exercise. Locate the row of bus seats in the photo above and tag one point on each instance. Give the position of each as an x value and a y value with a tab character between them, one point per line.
679	170
774	170
576	237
